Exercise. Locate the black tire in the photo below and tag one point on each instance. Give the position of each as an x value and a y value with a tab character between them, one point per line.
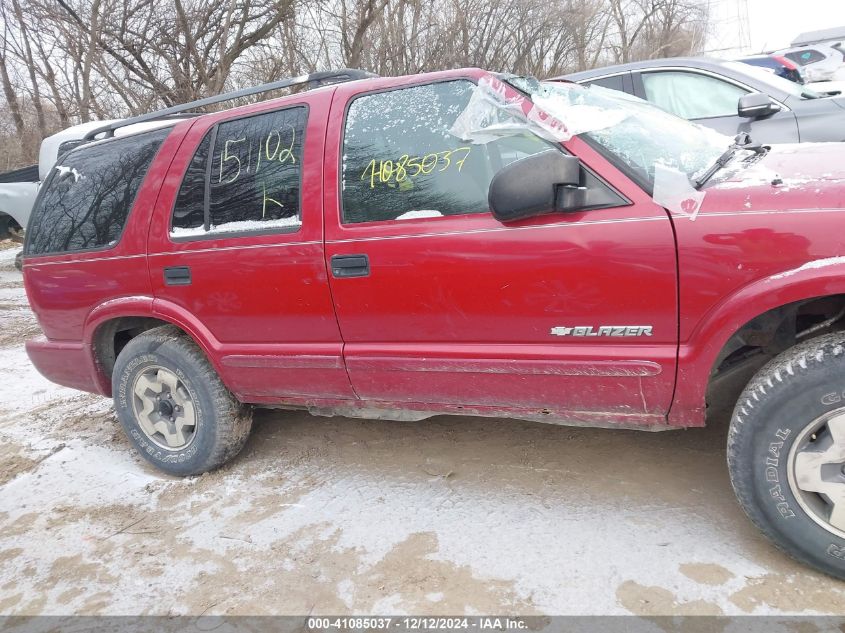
222	424
10	229
19	261
800	386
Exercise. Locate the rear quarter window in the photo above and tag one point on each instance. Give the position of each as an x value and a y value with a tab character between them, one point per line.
88	195
614	82
805	57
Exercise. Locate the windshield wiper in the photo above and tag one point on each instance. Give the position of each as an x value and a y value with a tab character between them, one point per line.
741	141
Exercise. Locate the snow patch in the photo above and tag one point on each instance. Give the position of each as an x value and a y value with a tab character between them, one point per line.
7	255
79	474
421	213
237	227
22	387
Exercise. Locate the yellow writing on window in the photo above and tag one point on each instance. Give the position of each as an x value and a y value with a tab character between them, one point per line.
408	167
237	156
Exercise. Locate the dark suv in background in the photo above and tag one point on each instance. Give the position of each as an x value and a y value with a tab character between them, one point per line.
730	97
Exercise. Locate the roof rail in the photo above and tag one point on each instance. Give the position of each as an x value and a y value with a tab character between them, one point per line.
314	80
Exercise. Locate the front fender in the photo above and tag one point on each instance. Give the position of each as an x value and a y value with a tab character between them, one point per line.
697	355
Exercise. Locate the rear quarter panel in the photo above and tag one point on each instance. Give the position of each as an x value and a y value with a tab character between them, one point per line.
64	289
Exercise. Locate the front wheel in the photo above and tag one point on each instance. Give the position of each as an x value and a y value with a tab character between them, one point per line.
173	406
786	452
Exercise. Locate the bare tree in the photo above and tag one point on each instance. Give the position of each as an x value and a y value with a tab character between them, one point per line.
68	61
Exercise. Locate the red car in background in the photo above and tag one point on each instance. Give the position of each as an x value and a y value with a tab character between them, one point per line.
778	64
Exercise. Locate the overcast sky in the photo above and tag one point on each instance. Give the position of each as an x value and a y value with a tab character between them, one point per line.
771	24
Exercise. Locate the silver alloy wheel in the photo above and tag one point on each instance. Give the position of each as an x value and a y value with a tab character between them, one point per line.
164	408
816	470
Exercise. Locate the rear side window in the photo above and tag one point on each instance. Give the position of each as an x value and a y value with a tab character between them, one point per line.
88	195
245	176
189	210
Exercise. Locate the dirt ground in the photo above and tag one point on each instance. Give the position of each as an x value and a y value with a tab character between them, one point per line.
330	515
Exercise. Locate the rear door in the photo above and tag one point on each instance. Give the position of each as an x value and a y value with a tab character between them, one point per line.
711	101
440	303
236	249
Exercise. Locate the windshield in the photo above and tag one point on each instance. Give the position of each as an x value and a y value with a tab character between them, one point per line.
772	80
643	134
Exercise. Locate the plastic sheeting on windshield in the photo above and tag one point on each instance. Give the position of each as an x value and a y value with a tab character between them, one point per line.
491	114
674	192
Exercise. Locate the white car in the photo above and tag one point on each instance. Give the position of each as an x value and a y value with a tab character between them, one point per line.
818	62
18	188
829	88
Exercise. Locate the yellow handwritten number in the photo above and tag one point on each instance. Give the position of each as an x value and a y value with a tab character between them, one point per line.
371	167
286	155
385	171
225	158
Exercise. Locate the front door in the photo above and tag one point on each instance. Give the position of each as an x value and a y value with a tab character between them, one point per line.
439	303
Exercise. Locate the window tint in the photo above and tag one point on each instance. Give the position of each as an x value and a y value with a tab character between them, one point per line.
614	83
690	95
89	193
763	62
805	57
255	175
401	162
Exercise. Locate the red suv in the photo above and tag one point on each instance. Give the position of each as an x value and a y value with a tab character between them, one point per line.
456	242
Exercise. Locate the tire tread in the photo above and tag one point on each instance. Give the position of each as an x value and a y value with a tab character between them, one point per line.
234	419
784	369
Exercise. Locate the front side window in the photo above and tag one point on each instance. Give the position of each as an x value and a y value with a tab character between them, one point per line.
691	95
245	176
88	195
401	162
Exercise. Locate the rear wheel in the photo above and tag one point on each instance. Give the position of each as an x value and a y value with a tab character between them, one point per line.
10	229
786	452
5	226
174	407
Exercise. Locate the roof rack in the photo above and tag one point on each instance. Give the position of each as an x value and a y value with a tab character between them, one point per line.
314	80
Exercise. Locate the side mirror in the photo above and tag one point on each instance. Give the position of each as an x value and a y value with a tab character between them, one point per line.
535	185
755	105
